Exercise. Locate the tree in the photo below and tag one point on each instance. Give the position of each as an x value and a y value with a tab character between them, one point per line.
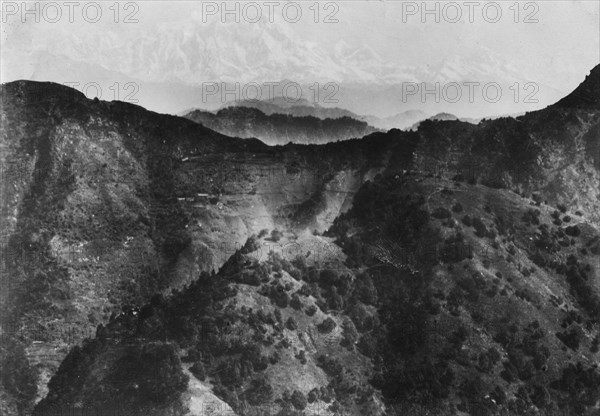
327	326
276	235
367	293
291	324
350	334
259	392
198	371
298	400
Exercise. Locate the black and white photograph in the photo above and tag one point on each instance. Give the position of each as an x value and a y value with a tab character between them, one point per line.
300	208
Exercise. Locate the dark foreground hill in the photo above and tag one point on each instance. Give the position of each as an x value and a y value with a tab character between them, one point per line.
459	271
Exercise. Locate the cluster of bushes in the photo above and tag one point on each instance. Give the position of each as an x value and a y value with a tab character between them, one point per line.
456	249
487	360
259	392
547	241
441	213
298	400
402	297
330	365
279	296
349	334
578	278
420	381
571	338
573	231
198	370
581	385
532	216
252	244
327	326
527	355
481	230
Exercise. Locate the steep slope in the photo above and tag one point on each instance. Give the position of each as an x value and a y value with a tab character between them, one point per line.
206	190
105	204
586	94
448	297
505	321
279	129
252	334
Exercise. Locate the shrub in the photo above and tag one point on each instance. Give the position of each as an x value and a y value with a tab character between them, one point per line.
311	310
291	324
252	244
467	221
455	249
326	394
296	303
595	344
304	290
253	355
302	357
276	235
457	208
367	293
330	365
278	316
556	218
480	228
570	338
176	242
313	395
441	213
350	334
573	231
259	392
367	345
198	371
531	216
193	355
328	278
250	278
279	296
327	326
298	400
583	385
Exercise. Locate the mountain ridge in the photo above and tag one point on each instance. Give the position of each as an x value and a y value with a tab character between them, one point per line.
279	129
135	170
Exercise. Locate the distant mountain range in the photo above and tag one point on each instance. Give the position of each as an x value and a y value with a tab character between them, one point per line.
279	121
304	107
279	128
297	108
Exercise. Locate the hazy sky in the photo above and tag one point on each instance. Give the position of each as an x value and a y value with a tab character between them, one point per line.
554	43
